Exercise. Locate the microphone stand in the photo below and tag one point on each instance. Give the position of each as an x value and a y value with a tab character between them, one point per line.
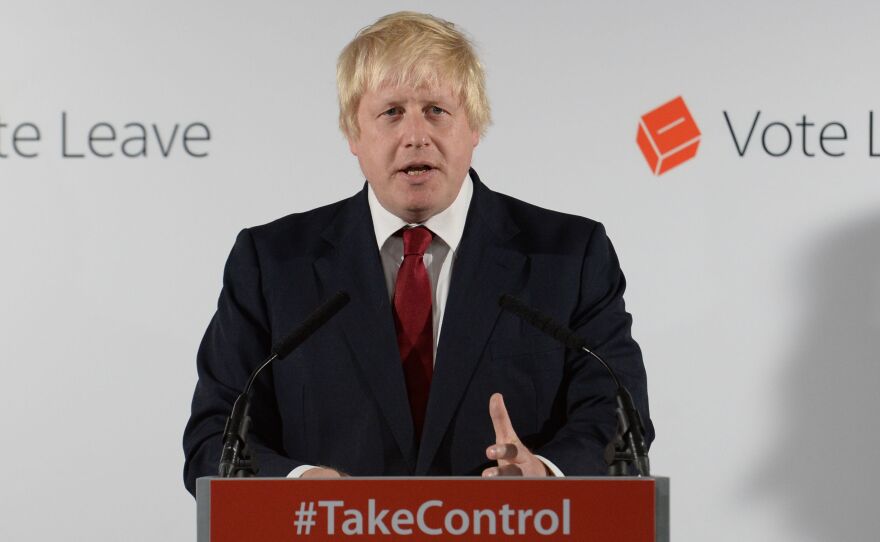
628	446
236	460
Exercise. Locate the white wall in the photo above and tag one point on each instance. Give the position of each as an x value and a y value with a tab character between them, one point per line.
754	281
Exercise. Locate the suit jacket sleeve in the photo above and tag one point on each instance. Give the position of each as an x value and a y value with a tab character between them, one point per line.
587	402
236	341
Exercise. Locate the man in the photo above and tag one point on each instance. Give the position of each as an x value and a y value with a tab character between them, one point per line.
422	373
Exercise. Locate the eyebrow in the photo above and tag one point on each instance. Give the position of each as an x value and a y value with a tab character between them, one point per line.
434	99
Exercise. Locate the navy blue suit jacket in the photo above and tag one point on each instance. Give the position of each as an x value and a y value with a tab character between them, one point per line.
340	400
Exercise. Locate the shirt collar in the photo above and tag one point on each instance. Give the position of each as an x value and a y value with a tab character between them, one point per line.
448	224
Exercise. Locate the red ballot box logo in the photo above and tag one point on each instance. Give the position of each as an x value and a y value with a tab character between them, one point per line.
668	136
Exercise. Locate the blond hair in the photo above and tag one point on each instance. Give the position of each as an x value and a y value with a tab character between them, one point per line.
414	50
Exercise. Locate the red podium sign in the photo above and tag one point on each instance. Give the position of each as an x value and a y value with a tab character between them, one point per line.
417	509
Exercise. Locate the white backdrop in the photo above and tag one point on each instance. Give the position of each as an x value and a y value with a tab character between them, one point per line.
754	281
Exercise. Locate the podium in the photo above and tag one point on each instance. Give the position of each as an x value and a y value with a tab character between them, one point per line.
418	509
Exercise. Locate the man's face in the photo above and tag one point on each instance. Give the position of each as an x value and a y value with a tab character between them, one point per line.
414	147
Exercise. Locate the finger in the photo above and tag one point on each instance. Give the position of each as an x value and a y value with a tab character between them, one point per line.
502	451
501	420
321	472
510	470
506	470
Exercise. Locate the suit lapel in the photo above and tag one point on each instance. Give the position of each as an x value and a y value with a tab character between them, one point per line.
484	268
353	265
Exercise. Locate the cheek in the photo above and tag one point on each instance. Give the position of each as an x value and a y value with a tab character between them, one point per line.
381	144
464	148
377	157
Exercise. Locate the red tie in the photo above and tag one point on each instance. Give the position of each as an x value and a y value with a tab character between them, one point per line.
414	322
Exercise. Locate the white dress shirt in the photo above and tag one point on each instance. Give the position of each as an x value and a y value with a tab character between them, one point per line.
447	227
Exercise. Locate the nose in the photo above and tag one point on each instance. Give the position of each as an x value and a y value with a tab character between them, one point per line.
416	132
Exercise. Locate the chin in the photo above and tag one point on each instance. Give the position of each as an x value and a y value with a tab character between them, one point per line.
414	216
418	212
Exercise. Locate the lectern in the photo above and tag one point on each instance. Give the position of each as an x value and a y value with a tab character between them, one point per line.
420	509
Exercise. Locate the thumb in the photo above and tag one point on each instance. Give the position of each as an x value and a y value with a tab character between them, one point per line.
504	432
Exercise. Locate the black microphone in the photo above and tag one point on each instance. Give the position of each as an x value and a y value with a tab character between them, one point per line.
630	424
542	322
317	319
233	458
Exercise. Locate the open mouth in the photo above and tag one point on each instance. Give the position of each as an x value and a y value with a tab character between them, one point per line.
415	170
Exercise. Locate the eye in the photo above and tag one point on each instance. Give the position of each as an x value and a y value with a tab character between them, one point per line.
392	112
435	110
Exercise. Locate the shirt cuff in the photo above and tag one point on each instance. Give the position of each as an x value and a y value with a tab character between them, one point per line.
553	468
299	471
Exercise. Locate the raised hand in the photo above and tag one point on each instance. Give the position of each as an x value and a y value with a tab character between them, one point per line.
514	459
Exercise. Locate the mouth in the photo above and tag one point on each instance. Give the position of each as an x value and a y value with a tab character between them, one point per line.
417	170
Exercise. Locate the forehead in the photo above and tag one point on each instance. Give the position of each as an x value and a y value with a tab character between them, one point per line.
391	92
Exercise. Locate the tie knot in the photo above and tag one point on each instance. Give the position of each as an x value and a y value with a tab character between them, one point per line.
416	241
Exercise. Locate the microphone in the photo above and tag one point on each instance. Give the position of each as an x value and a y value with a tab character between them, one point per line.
314	322
234	459
630	427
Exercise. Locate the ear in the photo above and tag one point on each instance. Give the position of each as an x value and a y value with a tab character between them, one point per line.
475	138
352	145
